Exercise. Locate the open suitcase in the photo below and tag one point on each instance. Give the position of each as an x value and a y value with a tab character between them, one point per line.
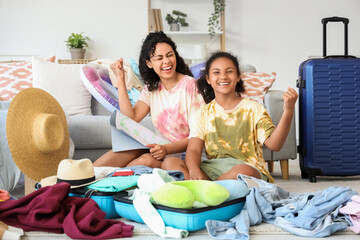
105	200
188	219
329	112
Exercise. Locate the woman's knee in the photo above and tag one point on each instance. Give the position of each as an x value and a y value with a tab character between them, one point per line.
172	163
118	159
145	160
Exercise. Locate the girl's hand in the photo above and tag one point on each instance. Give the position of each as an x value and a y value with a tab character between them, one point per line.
118	69
157	151
290	97
197	175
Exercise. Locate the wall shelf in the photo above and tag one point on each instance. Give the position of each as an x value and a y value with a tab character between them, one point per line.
184	33
191	33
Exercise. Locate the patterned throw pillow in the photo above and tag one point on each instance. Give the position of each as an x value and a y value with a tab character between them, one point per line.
257	84
16	76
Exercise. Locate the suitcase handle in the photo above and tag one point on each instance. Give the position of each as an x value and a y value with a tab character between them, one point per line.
345	21
335	19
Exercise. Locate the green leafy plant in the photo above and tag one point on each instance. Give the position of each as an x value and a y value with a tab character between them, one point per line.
214	19
77	40
179	18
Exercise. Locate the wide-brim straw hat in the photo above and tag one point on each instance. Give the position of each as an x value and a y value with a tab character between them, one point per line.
78	173
37	133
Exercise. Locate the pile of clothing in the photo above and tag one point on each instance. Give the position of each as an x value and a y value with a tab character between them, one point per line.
315	214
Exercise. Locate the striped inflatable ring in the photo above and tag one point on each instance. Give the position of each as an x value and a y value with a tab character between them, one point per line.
97	81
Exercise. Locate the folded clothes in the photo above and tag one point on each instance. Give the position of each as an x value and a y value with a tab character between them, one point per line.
114	184
140	169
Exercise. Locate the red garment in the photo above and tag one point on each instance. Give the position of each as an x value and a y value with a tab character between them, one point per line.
50	209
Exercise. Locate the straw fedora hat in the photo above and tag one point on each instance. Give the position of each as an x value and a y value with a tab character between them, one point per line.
78	173
37	133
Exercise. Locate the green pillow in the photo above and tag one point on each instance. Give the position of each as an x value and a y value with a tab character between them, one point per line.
182	194
173	196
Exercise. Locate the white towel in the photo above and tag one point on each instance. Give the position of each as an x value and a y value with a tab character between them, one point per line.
148	183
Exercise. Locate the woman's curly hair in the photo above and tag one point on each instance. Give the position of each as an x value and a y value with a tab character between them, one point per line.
151	79
205	89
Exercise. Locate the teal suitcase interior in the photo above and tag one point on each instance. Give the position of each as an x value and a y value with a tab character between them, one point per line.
105	200
188	219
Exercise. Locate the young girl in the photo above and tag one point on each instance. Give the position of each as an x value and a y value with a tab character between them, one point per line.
170	96
233	129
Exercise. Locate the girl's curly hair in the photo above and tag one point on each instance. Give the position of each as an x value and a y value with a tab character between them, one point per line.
151	79
205	89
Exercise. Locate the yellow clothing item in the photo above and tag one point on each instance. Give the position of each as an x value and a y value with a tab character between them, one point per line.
237	133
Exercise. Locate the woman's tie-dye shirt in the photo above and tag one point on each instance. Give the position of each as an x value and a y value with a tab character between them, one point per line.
171	110
237	133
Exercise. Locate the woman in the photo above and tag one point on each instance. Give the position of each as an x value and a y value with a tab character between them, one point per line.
170	96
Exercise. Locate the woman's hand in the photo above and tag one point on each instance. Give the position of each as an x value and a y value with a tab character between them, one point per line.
4	195
157	151
118	69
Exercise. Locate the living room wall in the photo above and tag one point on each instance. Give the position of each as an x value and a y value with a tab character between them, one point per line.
278	35
274	35
40	27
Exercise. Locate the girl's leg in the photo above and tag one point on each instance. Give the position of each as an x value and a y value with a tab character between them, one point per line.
118	159
240	169
146	160
172	163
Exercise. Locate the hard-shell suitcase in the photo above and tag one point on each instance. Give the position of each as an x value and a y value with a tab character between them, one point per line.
329	112
189	219
105	200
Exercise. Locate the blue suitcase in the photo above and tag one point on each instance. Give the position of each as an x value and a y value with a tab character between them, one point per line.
189	219
105	200
329	112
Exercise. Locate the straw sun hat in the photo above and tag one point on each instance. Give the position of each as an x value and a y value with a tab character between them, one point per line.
37	133
78	173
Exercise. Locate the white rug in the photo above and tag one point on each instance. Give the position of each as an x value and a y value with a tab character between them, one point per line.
262	231
141	231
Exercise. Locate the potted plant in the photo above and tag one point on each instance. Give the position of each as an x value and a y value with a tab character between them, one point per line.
176	21
214	19
76	43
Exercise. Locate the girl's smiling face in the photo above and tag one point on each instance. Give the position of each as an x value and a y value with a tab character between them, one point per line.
223	76
163	61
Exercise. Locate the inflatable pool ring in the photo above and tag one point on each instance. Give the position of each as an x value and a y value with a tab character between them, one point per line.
97	81
197	69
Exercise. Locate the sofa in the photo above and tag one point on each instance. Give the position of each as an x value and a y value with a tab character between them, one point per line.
92	134
90	129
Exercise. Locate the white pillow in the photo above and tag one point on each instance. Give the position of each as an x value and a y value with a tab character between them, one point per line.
63	82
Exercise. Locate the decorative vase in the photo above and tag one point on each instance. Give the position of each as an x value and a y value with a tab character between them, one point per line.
175	27
77	53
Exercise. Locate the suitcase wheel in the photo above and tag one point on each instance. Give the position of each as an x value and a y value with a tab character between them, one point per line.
304	175
312	179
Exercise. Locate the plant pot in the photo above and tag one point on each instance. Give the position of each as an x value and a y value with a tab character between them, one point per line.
77	53
174	27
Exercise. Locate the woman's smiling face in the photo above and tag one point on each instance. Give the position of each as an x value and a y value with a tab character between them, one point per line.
163	61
